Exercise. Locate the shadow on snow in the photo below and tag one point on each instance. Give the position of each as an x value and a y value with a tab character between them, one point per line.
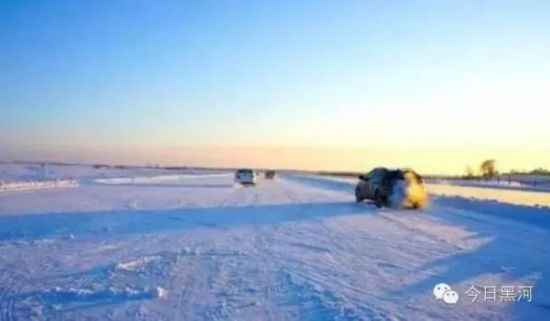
498	254
112	223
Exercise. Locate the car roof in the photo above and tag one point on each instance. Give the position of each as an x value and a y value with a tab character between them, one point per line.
396	170
404	169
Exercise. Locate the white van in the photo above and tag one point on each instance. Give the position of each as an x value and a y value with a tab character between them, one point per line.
245	177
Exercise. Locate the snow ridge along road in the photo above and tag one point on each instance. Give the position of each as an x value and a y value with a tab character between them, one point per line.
37	185
295	248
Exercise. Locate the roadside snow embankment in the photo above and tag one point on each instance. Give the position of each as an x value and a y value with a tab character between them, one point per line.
37	185
152	179
542	185
518	197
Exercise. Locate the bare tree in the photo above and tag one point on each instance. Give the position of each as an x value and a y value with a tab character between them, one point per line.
488	168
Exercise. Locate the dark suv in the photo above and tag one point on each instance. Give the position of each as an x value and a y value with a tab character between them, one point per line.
400	187
270	174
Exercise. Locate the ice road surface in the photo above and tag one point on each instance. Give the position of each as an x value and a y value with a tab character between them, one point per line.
296	248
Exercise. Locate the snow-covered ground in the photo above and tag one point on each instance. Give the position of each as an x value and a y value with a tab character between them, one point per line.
294	248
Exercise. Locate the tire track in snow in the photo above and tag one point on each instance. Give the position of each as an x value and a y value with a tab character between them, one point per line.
8	295
318	302
4	292
185	296
315	295
193	281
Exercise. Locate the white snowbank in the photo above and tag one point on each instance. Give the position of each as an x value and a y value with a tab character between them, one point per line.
152	179
540	185
37	185
518	197
491	183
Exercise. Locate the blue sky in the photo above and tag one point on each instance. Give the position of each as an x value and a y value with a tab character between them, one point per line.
119	76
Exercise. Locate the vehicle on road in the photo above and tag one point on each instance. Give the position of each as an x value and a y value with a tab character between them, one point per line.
245	176
391	187
270	174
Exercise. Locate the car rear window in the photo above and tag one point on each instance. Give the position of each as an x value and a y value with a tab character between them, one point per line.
391	175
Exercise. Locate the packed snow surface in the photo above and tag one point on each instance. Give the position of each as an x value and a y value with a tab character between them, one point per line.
296	248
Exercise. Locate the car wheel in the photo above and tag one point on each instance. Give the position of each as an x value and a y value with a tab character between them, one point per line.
358	197
379	201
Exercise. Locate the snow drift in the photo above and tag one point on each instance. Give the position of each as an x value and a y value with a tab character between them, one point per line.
37	185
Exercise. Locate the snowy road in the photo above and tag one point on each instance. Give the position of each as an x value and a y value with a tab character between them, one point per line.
297	248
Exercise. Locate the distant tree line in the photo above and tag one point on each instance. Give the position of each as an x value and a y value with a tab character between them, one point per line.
488	169
536	171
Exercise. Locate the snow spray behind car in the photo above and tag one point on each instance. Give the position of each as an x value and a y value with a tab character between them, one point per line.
407	191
